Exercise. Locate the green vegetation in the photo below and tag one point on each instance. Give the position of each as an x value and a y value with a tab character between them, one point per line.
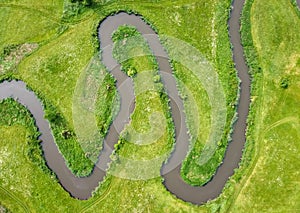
23	184
65	139
211	39
13	54
54	68
15	18
73	10
62	53
67	44
25	187
284	83
104	114
84	2
15	114
150	134
192	172
23	169
273	56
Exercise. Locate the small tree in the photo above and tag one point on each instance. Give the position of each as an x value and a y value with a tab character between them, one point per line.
66	134
131	71
156	78
284	83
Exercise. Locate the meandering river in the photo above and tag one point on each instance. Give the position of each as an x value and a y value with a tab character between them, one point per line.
82	187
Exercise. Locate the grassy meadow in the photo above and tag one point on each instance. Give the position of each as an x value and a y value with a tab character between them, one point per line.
53	69
67	45
272	183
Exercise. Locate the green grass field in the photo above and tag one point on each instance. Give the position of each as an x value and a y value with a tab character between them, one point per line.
66	48
25	187
23	184
52	72
273	182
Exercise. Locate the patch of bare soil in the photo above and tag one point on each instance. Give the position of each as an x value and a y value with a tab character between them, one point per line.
13	58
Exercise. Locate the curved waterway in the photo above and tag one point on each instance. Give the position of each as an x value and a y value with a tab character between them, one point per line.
81	188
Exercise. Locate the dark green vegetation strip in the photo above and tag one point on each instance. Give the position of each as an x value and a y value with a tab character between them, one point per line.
66	141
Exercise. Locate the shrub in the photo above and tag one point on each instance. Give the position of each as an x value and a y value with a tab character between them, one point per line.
131	71
83	2
8	49
284	83
123	32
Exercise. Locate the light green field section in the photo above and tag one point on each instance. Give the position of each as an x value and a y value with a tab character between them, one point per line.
273	183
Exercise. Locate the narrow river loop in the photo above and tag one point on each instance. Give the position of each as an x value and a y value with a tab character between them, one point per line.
81	188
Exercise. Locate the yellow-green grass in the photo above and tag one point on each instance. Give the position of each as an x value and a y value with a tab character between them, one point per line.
25	181
273	182
56	66
52	71
140	196
53	8
211	39
56	77
28	24
23	184
25	188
